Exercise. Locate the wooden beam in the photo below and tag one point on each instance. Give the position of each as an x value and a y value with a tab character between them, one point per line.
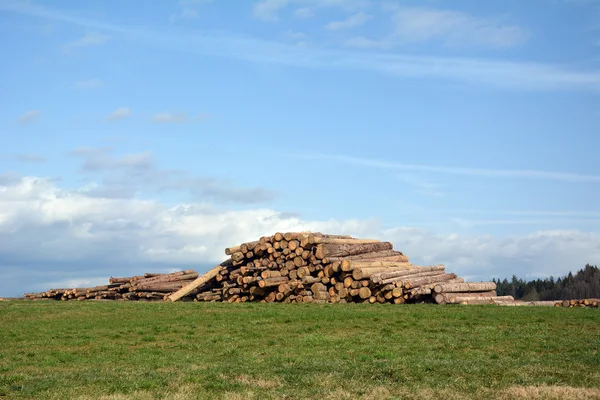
195	284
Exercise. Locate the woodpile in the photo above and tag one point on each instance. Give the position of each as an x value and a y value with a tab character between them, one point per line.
305	267
309	267
591	303
147	287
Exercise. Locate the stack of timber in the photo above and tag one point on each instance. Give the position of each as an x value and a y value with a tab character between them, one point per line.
467	293
586	303
312	267
147	287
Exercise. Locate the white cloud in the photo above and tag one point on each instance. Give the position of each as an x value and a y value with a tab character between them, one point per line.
481	72
169	118
185	13
304	12
119	113
100	159
418	24
295	35
89	84
267	10
46	229
352	21
364	43
35	158
481	172
188	3
90	39
127	175
29	116
421	185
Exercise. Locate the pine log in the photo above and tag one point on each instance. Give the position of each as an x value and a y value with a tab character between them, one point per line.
379	277
326	240
184	291
400	280
367	256
119	280
165	279
309	280
351	265
318	287
269	282
481	299
465	287
367	272
443	298
339	250
416	282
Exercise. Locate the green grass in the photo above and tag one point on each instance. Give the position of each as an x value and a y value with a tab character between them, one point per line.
128	350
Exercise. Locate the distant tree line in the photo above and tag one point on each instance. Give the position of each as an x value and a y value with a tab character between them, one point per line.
584	284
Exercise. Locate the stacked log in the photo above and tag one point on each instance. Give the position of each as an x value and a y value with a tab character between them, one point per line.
467	293
150	286
305	267
312	267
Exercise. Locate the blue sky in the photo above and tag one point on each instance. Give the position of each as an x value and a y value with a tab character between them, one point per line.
138	138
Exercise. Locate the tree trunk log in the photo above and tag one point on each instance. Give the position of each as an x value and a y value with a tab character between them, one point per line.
340	250
443	298
465	287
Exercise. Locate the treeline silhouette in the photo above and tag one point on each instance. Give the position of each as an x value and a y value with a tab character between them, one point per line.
584	284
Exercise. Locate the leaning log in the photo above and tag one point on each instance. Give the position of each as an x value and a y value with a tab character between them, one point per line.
184	291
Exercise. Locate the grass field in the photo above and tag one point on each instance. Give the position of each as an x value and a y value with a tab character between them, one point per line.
128	350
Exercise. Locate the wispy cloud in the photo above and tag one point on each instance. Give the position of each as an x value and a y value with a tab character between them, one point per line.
417	24
29	117
185	13
267	10
119	113
421	185
496	73
194	2
304	12
89	84
521	213
352	21
167	117
362	42
90	39
101	159
30	158
478	172
471	223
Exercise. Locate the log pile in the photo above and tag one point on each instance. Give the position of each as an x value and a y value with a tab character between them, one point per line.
305	267
147	287
590	303
309	267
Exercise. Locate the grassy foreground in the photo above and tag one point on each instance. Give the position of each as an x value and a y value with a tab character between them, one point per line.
127	350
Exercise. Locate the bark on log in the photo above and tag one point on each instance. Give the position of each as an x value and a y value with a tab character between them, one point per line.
443	298
339	250
351	265
323	240
378	278
416	282
367	272
367	256
481	300
273	281
184	291
465	287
